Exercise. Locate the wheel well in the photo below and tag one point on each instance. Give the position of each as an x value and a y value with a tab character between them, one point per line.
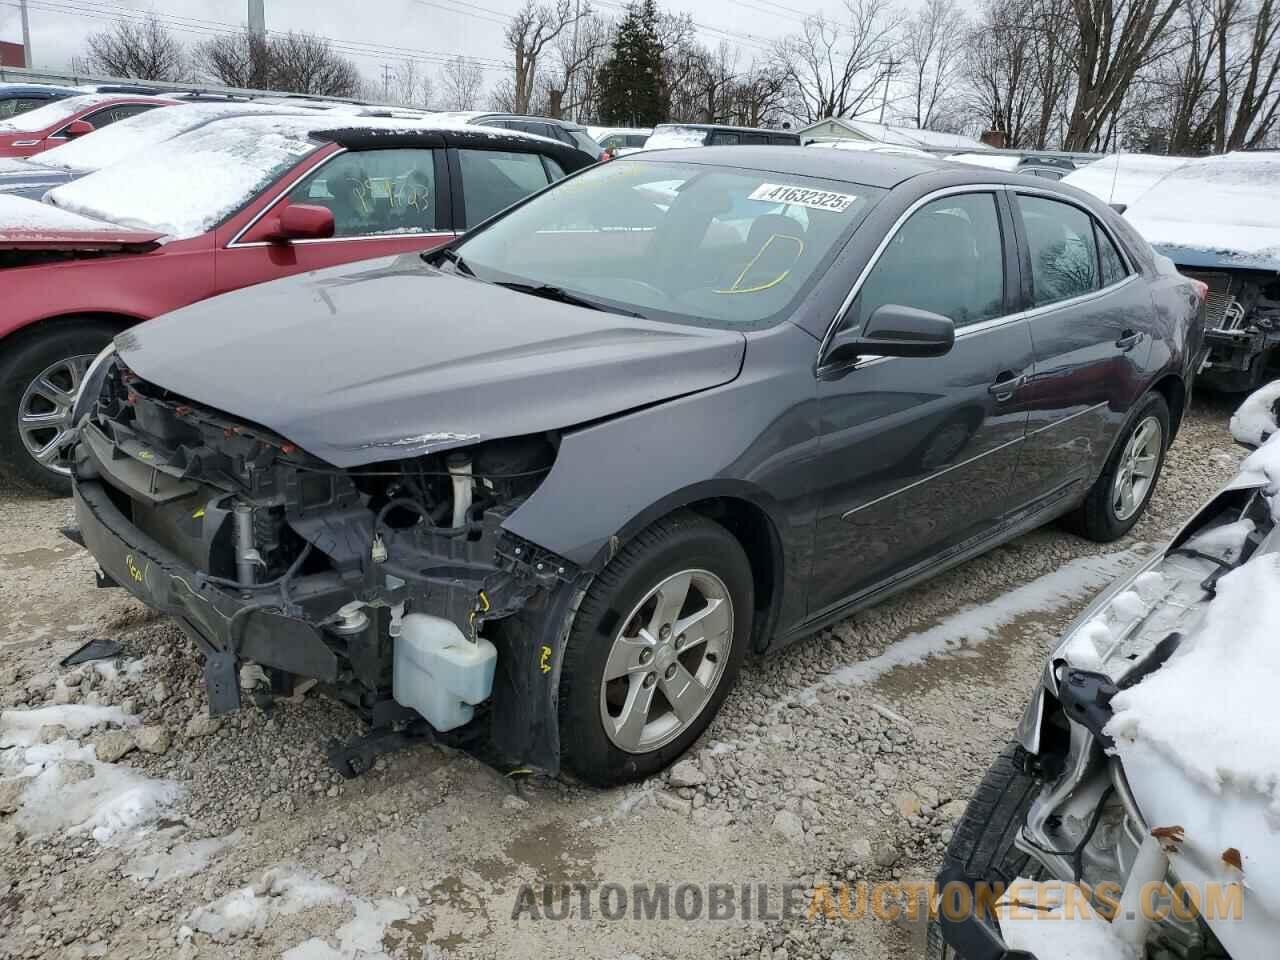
39	327
1174	392
753	529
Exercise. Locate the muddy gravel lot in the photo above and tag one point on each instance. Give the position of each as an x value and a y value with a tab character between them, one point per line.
132	825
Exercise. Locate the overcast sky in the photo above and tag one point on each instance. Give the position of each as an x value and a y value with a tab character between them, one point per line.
374	32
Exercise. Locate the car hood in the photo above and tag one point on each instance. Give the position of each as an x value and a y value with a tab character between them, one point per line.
392	358
27	224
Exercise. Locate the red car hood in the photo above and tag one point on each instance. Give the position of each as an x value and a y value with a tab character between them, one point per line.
32	225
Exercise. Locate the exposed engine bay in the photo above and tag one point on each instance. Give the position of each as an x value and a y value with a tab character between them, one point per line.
1242	326
387	583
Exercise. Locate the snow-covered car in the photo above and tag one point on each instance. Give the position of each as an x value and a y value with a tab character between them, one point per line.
1218	219
619	141
868	146
1047	166
1148	755
1121	178
670	136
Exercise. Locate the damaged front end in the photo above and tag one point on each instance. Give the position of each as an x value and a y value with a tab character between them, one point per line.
1242	326
393	584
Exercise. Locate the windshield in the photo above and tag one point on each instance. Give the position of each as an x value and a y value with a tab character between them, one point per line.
47	116
694	243
584	142
188	185
115	142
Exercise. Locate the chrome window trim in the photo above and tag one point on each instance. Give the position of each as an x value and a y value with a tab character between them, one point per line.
879	252
235	244
1051	195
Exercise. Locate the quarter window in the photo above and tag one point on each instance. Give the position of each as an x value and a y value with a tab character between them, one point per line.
493	180
1064	256
1113	269
374	192
721	138
948	258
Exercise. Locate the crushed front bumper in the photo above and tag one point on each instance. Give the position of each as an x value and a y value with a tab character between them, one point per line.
227	627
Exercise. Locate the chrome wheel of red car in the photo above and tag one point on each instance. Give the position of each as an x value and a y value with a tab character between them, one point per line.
44	412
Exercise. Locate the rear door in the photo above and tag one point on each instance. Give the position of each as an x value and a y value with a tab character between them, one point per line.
917	455
1089	313
383	202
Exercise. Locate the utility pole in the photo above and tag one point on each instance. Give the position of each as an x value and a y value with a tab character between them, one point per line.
890	65
573	80
257	18
386	81
26	35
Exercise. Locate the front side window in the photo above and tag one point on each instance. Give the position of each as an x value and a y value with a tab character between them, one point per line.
374	192
692	243
1064	256
493	180
948	258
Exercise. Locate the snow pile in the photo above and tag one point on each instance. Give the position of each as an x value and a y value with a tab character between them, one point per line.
1227	205
62	787
42	118
1033	918
181	860
1255	420
280	892
358	939
34	220
1123	177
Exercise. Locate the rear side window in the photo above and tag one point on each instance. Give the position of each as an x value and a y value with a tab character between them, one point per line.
374	192
110	115
1064	255
493	180
786	141
636	139
948	258
757	139
721	138
1113	269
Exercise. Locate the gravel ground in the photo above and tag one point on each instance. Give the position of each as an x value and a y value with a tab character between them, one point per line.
847	757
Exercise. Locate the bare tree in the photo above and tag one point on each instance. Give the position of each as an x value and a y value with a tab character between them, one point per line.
835	67
933	55
243	59
759	95
411	85
1258	96
998	69
306	63
141	49
461	83
528	34
569	85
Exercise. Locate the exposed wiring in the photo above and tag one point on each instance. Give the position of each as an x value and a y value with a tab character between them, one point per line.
1077	853
280	581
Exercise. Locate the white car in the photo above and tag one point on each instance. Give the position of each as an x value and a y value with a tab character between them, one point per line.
620	140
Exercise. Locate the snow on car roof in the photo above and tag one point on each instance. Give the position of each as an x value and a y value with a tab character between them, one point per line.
44	117
997	161
673	135
117	141
1123	177
1227	205
25	215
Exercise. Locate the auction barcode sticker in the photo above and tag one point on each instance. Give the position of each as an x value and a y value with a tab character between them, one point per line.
803	197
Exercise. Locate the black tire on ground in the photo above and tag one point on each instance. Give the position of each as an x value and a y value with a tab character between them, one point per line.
21	361
982	845
684	540
1095	519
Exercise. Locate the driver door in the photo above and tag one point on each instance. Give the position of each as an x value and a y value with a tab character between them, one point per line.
917	455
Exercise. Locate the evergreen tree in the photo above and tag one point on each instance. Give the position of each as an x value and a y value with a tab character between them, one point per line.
630	81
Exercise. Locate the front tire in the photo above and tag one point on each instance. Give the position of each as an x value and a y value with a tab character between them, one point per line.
1120	495
982	845
39	376
654	649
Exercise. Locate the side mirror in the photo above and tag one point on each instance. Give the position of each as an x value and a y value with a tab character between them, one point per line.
1118	207
895	331
77	128
301	221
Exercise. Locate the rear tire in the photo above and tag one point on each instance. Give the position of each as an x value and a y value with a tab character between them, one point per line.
620	664
1101	518
61	351
982	845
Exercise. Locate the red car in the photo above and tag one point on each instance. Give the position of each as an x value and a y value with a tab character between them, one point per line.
230	204
55	123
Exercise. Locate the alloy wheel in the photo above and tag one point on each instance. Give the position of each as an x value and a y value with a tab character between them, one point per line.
44	412
1137	469
666	661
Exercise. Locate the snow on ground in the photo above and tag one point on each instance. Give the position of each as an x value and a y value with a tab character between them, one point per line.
361	937
1035	917
1123	177
21	728
33	220
157	868
280	892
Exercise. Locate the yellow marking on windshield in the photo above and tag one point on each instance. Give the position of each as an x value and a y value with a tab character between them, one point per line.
735	288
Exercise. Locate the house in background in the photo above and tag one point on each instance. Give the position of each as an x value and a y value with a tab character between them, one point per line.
850	129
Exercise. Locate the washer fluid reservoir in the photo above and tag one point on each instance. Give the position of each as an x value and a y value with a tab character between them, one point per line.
439	672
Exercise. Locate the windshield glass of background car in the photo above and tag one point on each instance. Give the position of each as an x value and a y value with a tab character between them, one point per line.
694	243
43	117
186	186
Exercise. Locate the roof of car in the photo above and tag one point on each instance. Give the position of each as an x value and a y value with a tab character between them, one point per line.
360	134
873	169
727	127
36	90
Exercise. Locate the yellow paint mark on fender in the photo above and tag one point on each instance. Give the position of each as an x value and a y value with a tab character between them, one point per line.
198	514
544	661
138	573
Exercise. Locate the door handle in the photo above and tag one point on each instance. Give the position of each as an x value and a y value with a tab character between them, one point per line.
1006	385
1128	340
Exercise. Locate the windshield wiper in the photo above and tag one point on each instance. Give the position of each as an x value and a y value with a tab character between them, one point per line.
452	256
559	294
